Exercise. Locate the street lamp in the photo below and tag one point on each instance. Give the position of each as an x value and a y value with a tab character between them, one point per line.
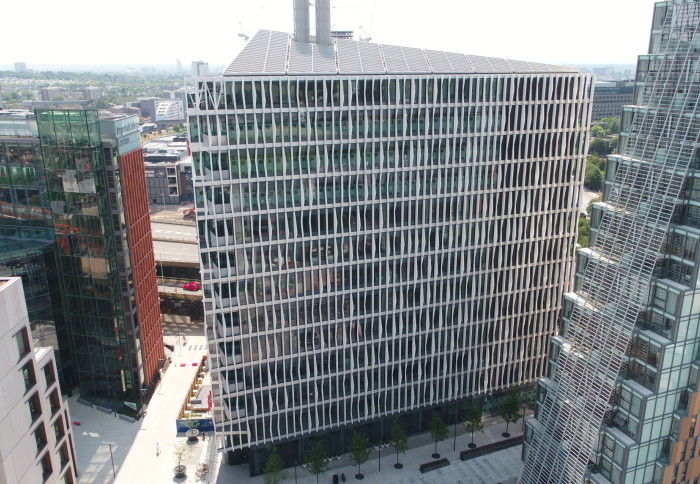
378	448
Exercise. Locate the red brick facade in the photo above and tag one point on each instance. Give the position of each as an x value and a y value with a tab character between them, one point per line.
143	266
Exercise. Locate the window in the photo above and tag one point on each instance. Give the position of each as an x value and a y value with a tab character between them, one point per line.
40	438
28	375
49	374
22	338
58	428
55	402
63	455
46	468
34	405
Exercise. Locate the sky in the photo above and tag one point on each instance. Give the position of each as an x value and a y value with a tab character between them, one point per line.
156	32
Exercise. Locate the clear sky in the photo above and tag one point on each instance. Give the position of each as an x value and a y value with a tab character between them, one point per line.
158	32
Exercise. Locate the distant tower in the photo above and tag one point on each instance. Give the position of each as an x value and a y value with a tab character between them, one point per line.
200	68
20	66
178	63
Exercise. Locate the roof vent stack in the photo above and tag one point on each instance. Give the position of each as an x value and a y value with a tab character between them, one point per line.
302	27
323	22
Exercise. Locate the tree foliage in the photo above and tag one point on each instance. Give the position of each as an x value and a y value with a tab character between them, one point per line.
593	178
438	429
510	412
398	437
612	125
583	225
597	131
274	472
317	461
599	146
473	423
359	450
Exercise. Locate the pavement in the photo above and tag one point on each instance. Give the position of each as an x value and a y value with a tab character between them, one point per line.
500	467
142	452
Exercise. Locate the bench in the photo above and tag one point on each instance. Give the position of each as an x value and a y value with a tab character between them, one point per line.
436	464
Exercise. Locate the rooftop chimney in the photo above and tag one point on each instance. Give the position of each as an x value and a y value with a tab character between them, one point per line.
302	22
302	29
323	22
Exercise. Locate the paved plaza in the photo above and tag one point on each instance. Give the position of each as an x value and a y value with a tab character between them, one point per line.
502	466
142	452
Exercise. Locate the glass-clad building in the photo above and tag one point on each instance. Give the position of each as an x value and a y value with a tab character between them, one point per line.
384	232
619	403
74	225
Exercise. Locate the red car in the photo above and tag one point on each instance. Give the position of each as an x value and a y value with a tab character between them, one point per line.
191	286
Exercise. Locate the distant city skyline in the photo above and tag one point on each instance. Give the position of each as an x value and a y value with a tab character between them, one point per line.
604	32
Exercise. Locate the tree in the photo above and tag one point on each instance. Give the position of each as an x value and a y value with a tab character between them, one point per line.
590	204
180	452
473	423
597	131
612	125
274	468
612	144
583	225
399	440
599	146
317	462
359	452
510	412
438	431
593	178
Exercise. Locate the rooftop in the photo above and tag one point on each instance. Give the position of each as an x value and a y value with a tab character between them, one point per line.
270	52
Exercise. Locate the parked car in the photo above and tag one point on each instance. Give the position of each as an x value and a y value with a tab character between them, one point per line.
191	286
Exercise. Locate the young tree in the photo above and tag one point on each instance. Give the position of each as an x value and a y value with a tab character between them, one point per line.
438	431
399	440
274	468
510	412
317	462
473	423
181	452
359	452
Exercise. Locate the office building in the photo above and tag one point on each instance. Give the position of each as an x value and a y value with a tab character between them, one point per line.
384	232
200	68
168	166
619	403
75	225
610	97
38	444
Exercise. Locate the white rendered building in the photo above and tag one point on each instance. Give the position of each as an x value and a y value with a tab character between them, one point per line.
37	446
384	231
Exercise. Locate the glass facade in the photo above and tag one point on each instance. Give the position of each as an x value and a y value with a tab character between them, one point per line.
89	272
379	245
617	403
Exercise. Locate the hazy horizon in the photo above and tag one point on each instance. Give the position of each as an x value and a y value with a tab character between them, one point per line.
551	31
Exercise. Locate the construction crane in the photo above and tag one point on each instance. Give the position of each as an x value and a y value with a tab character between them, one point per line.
244	33
366	38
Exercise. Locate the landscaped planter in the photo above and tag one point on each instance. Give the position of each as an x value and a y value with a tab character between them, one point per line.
180	471
192	435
